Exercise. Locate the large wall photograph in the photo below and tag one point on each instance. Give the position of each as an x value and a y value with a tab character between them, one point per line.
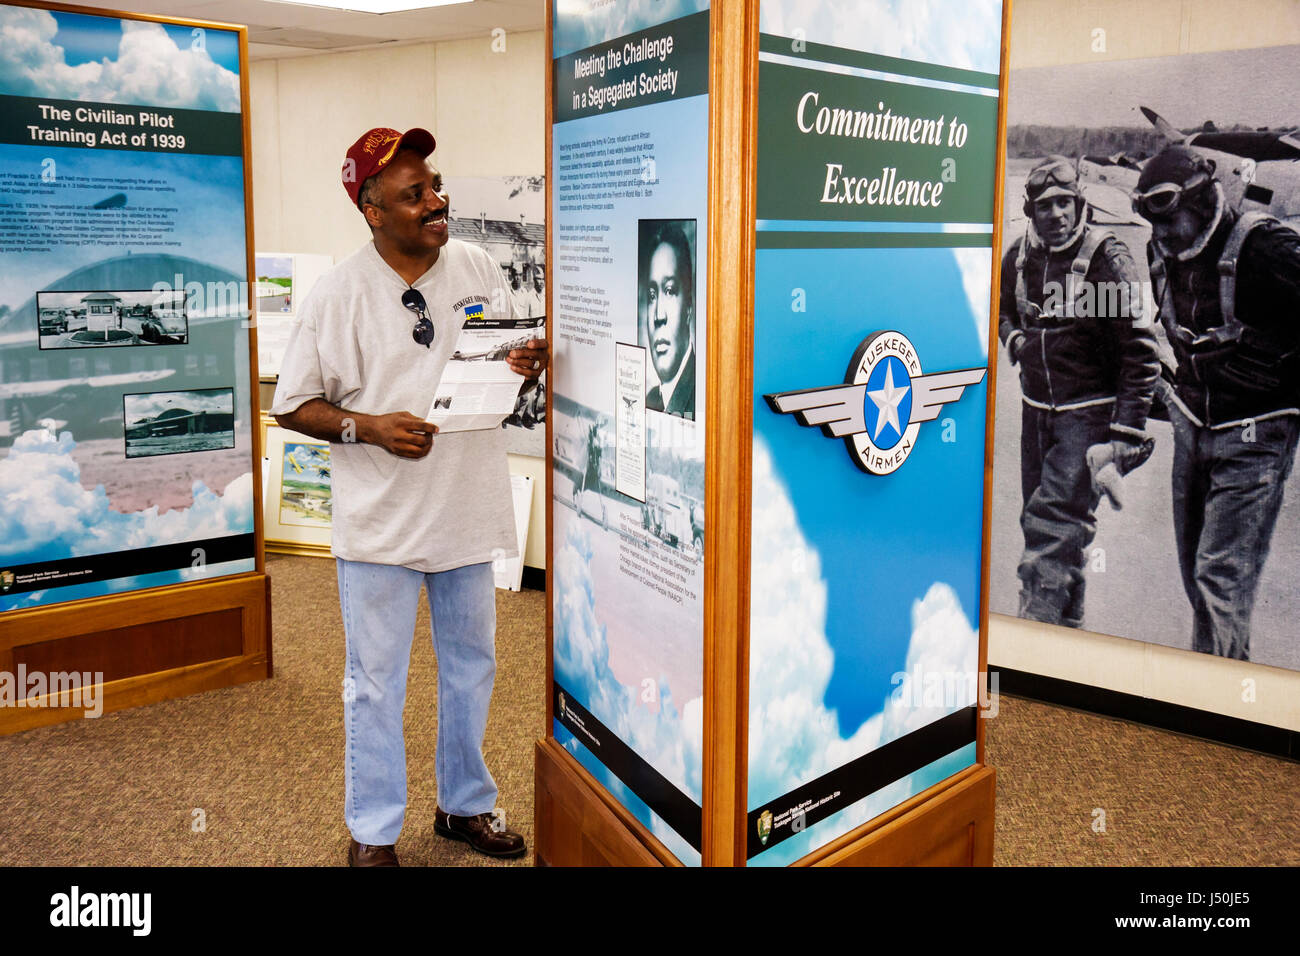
1143	482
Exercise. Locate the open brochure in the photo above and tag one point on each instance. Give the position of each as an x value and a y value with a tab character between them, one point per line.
478	388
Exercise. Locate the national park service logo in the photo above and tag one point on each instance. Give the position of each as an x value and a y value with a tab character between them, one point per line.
764	826
563	705
880	408
6	581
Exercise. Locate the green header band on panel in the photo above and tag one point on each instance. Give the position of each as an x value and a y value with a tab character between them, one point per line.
820	52
665	62
50	122
846	148
873	240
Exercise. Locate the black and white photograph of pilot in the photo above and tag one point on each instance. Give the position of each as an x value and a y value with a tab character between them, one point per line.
666	295
170	423
100	318
505	216
1148	401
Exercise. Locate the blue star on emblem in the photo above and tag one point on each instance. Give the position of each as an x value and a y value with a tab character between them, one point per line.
889	402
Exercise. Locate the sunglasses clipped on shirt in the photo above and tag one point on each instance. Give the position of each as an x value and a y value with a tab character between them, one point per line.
423	331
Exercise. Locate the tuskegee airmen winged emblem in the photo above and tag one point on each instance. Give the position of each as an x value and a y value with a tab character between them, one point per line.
880	408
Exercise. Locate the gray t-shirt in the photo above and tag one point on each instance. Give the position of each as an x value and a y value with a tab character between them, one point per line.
352	346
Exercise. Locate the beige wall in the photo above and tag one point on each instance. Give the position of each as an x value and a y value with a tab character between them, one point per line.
1048	32
486	109
1054	32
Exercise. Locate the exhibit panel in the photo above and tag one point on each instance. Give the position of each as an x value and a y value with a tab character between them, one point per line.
848	170
130	559
126	439
876	155
628	221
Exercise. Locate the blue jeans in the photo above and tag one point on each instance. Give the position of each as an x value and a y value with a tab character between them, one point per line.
379	604
1227	492
1059	519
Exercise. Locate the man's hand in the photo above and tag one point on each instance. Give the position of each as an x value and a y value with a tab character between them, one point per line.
1110	461
1129	453
401	433
529	361
398	432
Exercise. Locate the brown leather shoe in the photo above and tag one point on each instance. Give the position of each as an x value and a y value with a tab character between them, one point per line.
363	854
478	832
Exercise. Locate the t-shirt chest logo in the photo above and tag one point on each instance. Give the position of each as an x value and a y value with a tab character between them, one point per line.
472	307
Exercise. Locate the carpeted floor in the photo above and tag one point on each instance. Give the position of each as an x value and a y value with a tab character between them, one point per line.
260	767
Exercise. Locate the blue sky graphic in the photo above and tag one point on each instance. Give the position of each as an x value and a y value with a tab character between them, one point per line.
883	541
583	23
71	56
46	514
208	201
960	33
87	39
668	740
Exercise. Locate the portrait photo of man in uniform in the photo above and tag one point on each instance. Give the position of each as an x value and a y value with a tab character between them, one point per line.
666	292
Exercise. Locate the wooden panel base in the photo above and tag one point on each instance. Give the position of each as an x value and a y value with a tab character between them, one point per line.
951	824
146	646
577	823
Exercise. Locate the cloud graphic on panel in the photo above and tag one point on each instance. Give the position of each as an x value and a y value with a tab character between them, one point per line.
583	23
46	514
957	33
976	267
149	68
942	665
669	741
793	736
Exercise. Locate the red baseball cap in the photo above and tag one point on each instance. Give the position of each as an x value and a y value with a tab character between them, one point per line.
375	150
